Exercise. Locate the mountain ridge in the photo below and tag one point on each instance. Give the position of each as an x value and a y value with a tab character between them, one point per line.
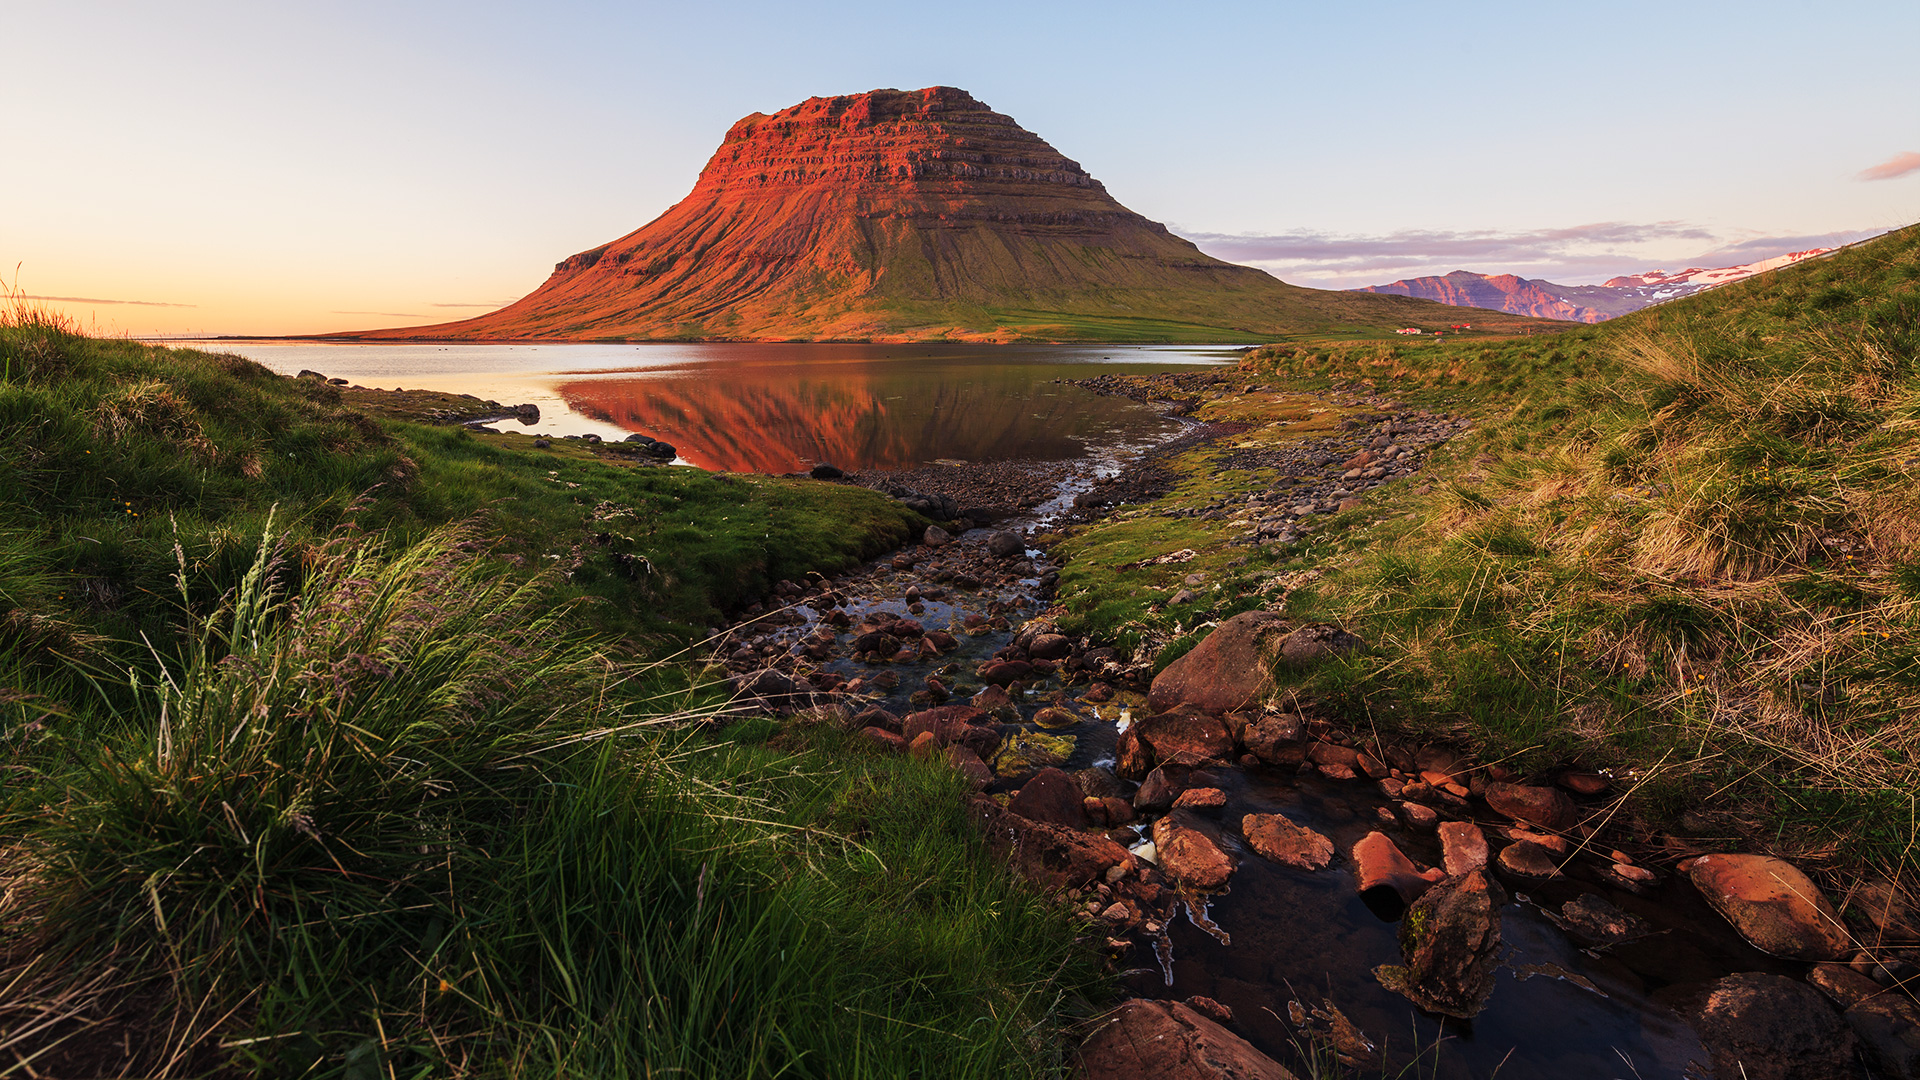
907	216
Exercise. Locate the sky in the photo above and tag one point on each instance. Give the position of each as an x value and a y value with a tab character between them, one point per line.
277	168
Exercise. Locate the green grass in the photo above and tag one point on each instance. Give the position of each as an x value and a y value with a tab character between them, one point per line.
335	748
1673	547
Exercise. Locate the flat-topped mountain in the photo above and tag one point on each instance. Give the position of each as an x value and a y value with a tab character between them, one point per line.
908	216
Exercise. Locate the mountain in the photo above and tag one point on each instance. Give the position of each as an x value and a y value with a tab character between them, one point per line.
1579	303
908	216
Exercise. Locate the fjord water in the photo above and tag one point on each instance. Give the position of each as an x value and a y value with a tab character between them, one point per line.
782	407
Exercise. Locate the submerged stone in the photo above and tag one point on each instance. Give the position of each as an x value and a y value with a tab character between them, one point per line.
1023	752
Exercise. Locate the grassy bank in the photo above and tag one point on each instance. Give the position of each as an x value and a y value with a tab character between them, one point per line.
334	748
1680	544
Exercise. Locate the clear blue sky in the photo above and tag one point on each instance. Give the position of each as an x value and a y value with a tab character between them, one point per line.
295	168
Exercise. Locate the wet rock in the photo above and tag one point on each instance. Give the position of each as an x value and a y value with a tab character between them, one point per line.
1276	837
1543	806
1051	856
875	716
1887	1027
888	739
1002	672
969	765
1418	817
1049	647
1200	799
1099	783
1526	862
1054	719
1450	940
1590	919
1161	787
1188	855
1227	671
1314	644
1635	879
953	725
1005	544
1388	880
1050	796
1168	1040
1772	904
1133	758
1274	738
991	698
935	536
1023	752
1463	847
1843	985
1765	1027
1185	738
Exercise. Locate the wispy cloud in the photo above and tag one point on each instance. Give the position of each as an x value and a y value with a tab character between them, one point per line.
1570	255
97	300
1895	166
388	314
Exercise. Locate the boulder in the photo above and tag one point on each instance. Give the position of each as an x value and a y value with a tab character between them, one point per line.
1463	847
1188	855
1450	940
825	471
1277	838
1274	738
1229	670
1049	647
1163	785
1772	904
1765	1027
1051	796
1050	856
1887	1026
1168	1040
1546	807
1388	880
1005	544
1314	644
1184	738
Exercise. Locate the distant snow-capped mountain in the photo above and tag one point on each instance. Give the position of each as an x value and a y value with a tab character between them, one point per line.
1578	303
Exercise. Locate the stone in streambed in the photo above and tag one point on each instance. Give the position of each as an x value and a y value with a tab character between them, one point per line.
1161	787
1388	880
1463	847
1450	940
1765	1027
969	765
1050	796
1054	719
1227	671
1546	807
1274	738
1168	1040
1527	862
1188	855
1772	904
1050	856
1276	837
1023	752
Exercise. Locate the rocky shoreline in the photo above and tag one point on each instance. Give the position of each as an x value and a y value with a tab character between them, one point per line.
1118	790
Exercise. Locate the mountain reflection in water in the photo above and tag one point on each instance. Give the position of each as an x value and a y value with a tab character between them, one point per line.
777	417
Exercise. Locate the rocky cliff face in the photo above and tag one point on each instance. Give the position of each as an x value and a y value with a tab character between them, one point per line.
905	215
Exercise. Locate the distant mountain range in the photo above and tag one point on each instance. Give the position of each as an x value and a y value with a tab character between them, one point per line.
1578	303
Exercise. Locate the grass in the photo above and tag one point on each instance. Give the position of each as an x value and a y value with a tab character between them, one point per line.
1679	544
337	746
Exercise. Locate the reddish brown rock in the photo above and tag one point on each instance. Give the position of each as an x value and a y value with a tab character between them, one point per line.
1205	798
1527	862
1167	1040
1388	880
1463	847
1229	670
1275	837
1450	940
1326	753
1546	807
1418	817
1161	787
1051	856
1315	644
1049	647
1274	738
1184	738
885	738
1119	811
970	765
1887	1028
1188	855
1765	1027
923	745
1772	904
1050	796
1845	986
1132	756
1210	1008
1581	782
1002	672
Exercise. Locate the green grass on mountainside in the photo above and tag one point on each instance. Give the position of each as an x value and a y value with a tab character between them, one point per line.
333	749
1681	544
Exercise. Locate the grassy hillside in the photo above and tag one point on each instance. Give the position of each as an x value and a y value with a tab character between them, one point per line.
333	748
1682	542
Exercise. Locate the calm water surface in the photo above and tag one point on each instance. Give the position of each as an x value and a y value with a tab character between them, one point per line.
779	407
